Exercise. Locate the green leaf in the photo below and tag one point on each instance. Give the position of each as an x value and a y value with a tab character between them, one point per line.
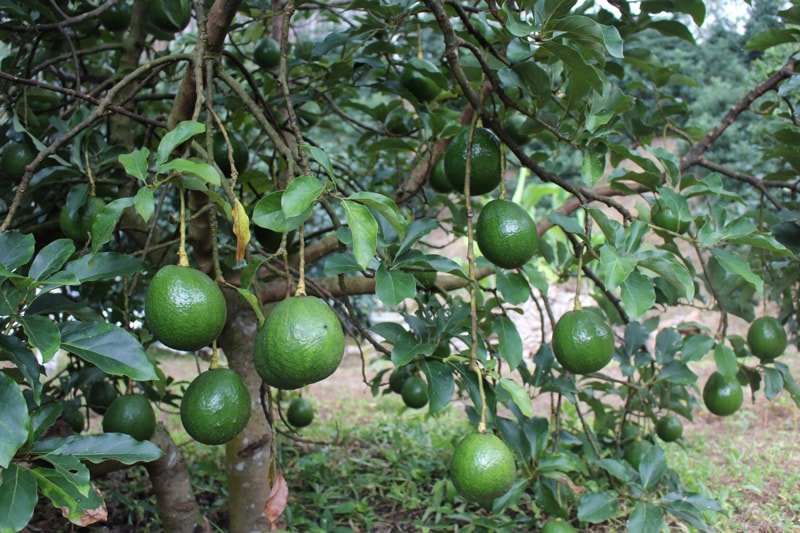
176	137
519	395
144	203
652	467
508	340
186	167
773	383
42	333
407	347
269	214
336	264
99	448
385	207
593	165
577	66
51	258
672	28
772	37
441	385
18	498
322	158
597	507
726	361
646	518
513	286
16	249
570	225
14	419
13	349
106	222
135	163
252	301
637	294
103	266
394	286
612	41
615	266
695	347
73	471
109	347
80	509
677	372
415	231
300	195
365	232
734	264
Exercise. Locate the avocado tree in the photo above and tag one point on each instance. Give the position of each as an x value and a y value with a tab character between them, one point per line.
283	150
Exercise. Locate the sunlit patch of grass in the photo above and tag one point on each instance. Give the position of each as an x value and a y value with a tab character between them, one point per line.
749	462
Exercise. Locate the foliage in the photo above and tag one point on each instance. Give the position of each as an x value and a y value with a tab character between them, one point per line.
617	124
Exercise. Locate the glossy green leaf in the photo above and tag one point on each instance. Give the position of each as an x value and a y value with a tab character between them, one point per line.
269	214
18	498
519	396
593	165
652	467
407	347
135	163
695	347
14	419
637	294
319	155
103	266
106	222
99	448
509	342
300	195
677	372
144	203
385	207
186	167
16	249
773	383
394	286
769	38
615	266
597	507
646	518
365	232
727	365
15	351
513	286
181	133
109	347
51	258
441	384
735	264
42	333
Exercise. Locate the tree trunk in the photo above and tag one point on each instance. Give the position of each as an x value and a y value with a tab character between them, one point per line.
248	455
176	505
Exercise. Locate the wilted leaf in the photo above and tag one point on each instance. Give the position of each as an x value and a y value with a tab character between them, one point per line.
276	502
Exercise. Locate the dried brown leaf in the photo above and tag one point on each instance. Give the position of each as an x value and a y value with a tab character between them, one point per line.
276	502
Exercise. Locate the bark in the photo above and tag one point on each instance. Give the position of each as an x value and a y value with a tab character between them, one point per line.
176	505
248	455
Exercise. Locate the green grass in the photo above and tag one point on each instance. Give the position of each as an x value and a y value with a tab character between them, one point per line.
749	462
370	464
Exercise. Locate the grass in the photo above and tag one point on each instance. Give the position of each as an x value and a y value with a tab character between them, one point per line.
749	462
370	464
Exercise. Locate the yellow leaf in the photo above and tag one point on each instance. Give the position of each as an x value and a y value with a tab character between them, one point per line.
241	228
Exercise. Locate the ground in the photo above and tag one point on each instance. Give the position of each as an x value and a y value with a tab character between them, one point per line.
750	462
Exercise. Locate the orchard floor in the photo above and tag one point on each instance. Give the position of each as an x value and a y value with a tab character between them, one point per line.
749	462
